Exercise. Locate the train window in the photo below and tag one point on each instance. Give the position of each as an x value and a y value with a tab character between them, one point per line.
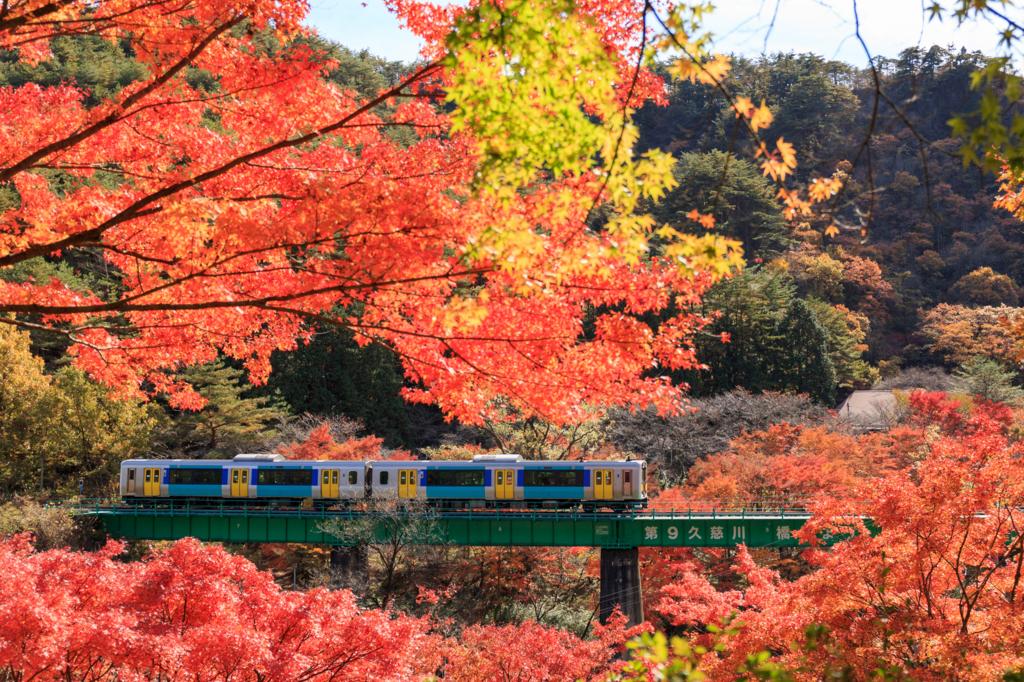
195	476
553	477
284	476
456	477
627	476
131	474
147	475
353	478
383	478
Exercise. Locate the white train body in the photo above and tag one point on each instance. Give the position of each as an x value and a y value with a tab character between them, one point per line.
484	481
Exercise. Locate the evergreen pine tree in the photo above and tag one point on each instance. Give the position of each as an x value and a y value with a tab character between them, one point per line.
232	421
334	376
987	379
805	367
736	193
748	307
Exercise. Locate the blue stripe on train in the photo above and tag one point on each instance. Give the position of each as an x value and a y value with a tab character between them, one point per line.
454	492
194	489
284	491
553	492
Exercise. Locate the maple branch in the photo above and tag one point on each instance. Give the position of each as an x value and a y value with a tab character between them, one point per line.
716	82
206	270
625	105
407	332
138	256
117	114
1018	569
124	305
54	7
39	12
68	333
144	203
880	95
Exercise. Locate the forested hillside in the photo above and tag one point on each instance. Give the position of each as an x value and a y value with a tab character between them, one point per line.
223	234
921	256
917	228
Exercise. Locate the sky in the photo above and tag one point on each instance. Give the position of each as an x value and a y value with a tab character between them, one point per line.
740	26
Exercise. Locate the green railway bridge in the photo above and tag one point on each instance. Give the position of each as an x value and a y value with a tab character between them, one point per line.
618	535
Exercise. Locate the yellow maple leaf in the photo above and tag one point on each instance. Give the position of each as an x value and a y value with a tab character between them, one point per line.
788	153
684	69
716	70
743	107
832	230
761	117
711	72
779	163
823	188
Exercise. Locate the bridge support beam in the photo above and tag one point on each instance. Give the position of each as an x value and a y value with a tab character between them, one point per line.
620	584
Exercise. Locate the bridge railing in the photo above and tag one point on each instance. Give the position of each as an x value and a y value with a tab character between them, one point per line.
172	507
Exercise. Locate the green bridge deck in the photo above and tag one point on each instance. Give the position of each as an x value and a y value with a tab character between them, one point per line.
245	524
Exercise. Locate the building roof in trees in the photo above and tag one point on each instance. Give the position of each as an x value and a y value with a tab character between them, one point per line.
873	410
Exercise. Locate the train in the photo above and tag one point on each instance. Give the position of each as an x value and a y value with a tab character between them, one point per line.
486	481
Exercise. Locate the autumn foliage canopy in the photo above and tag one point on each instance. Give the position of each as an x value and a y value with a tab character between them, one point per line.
240	199
929	588
195	612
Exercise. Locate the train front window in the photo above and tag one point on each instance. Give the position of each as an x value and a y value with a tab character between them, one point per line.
553	477
456	477
284	476
194	476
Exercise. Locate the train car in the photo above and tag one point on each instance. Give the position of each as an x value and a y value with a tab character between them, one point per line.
512	482
497	481
254	478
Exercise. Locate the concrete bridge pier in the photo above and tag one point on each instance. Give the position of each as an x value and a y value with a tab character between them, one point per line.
350	568
620	584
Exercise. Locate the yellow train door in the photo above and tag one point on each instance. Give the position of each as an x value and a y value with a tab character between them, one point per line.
504	484
603	484
330	483
151	482
407	483
239	483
